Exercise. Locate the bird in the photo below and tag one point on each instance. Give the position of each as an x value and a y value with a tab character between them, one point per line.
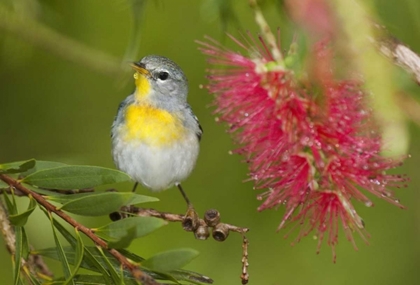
155	134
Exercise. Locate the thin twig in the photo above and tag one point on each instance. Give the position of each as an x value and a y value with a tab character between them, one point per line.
245	275
170	217
134	269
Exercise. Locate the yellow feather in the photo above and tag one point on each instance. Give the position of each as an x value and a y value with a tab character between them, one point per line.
152	126
143	86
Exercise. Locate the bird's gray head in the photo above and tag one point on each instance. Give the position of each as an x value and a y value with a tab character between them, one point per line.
161	78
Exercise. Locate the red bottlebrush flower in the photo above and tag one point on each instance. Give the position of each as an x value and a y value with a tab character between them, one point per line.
322	214
315	156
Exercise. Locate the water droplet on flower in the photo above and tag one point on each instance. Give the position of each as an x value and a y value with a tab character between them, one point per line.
259	197
368	203
397	201
230	152
246	114
201	86
217	119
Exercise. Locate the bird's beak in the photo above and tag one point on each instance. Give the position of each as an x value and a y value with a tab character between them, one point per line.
140	68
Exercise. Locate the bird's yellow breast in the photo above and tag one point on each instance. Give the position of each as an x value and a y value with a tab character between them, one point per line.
152	126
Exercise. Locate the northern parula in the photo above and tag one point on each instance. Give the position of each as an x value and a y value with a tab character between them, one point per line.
155	135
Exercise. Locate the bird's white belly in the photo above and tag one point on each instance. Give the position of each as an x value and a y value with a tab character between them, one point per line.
160	167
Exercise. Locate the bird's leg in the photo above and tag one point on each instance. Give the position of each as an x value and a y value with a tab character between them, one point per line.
134	187
191	220
184	195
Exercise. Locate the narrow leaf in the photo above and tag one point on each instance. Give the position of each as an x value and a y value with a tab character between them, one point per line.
34	280
18	255
98	204
97	266
25	245
78	255
75	177
170	260
79	250
11	207
120	233
17	167
191	277
89	261
61	254
21	218
112	270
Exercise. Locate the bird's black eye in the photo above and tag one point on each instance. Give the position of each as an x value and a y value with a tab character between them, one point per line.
163	75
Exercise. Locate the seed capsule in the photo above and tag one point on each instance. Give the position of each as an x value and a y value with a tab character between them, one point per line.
212	217
220	232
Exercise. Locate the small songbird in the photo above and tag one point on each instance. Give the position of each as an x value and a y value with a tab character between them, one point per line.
155	135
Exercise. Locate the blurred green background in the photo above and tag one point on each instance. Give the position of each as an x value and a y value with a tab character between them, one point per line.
55	109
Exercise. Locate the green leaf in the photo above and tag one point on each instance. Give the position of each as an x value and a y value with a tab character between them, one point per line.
11	207
191	277
121	233
75	177
21	218
25	245
18	254
89	261
79	251
98	204
61	254
21	253
41	165
170	260
17	167
112	270
96	265
34	280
